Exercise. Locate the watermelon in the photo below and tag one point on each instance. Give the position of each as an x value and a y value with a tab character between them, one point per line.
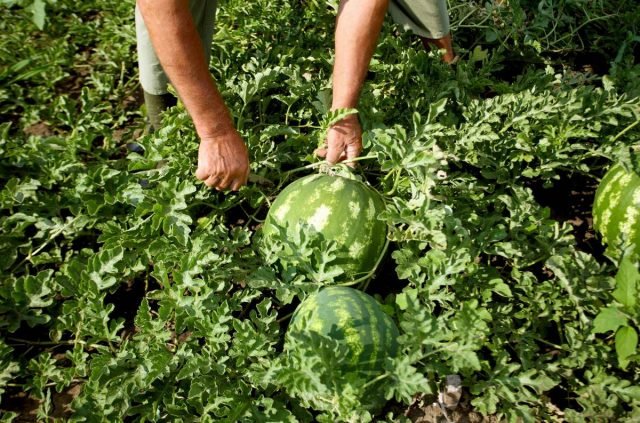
337	208
355	320
616	210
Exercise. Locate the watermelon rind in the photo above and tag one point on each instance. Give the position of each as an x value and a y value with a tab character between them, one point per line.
353	318
616	210
339	210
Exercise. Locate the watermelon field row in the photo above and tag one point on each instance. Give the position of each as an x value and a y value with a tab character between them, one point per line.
130	291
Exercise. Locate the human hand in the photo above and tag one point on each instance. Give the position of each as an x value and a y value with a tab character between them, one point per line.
344	141
223	161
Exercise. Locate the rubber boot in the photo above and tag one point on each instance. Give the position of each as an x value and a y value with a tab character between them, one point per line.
156	104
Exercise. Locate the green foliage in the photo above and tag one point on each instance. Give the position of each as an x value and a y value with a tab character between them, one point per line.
621	317
125	276
37	9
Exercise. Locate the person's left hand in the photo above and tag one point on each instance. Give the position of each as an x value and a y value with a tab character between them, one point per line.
344	141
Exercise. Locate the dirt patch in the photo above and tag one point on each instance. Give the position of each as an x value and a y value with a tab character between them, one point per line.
386	280
23	404
40	129
127	133
62	401
133	100
26	406
426	409
72	85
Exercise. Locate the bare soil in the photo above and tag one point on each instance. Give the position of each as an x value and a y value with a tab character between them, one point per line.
40	129
426	409
26	406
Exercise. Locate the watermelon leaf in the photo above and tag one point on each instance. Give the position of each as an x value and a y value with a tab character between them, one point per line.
626	344
38	11
626	283
609	319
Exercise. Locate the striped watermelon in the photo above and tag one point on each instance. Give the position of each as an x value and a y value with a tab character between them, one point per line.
355	320
342	210
616	210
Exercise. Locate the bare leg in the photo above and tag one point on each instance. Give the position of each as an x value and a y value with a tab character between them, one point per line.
444	43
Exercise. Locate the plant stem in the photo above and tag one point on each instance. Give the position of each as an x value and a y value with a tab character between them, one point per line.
377	379
55	343
285	317
367	277
44	244
625	130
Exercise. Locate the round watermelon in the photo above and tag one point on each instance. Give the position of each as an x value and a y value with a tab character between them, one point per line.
339	209
355	320
616	210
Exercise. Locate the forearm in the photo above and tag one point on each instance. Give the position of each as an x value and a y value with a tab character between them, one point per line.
177	44
357	29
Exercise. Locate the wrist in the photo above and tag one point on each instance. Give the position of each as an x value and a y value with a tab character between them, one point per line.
213	132
343	105
349	120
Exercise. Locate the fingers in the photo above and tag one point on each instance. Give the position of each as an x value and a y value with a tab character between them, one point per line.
223	162
212	181
226	182
246	176
344	142
236	184
333	154
320	152
223	183
231	181
353	151
336	154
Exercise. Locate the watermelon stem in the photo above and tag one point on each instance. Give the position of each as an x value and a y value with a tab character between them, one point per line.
367	277
288	173
624	131
317	164
285	317
51	238
376	380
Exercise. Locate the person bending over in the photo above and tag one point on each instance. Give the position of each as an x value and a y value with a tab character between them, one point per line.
174	38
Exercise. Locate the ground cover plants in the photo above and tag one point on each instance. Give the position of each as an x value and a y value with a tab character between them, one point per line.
129	291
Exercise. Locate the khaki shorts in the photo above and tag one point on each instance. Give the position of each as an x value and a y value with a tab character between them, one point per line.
152	76
426	18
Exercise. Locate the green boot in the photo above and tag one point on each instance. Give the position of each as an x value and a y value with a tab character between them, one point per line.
156	104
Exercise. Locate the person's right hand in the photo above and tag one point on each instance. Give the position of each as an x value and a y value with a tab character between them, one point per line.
223	161
344	141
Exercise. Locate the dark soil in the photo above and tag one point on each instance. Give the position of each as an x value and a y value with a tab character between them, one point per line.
126	300
570	200
26	406
73	83
386	279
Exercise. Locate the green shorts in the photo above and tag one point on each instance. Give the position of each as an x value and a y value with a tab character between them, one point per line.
427	18
152	76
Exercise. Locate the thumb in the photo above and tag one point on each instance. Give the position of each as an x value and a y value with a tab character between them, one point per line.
320	152
201	173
